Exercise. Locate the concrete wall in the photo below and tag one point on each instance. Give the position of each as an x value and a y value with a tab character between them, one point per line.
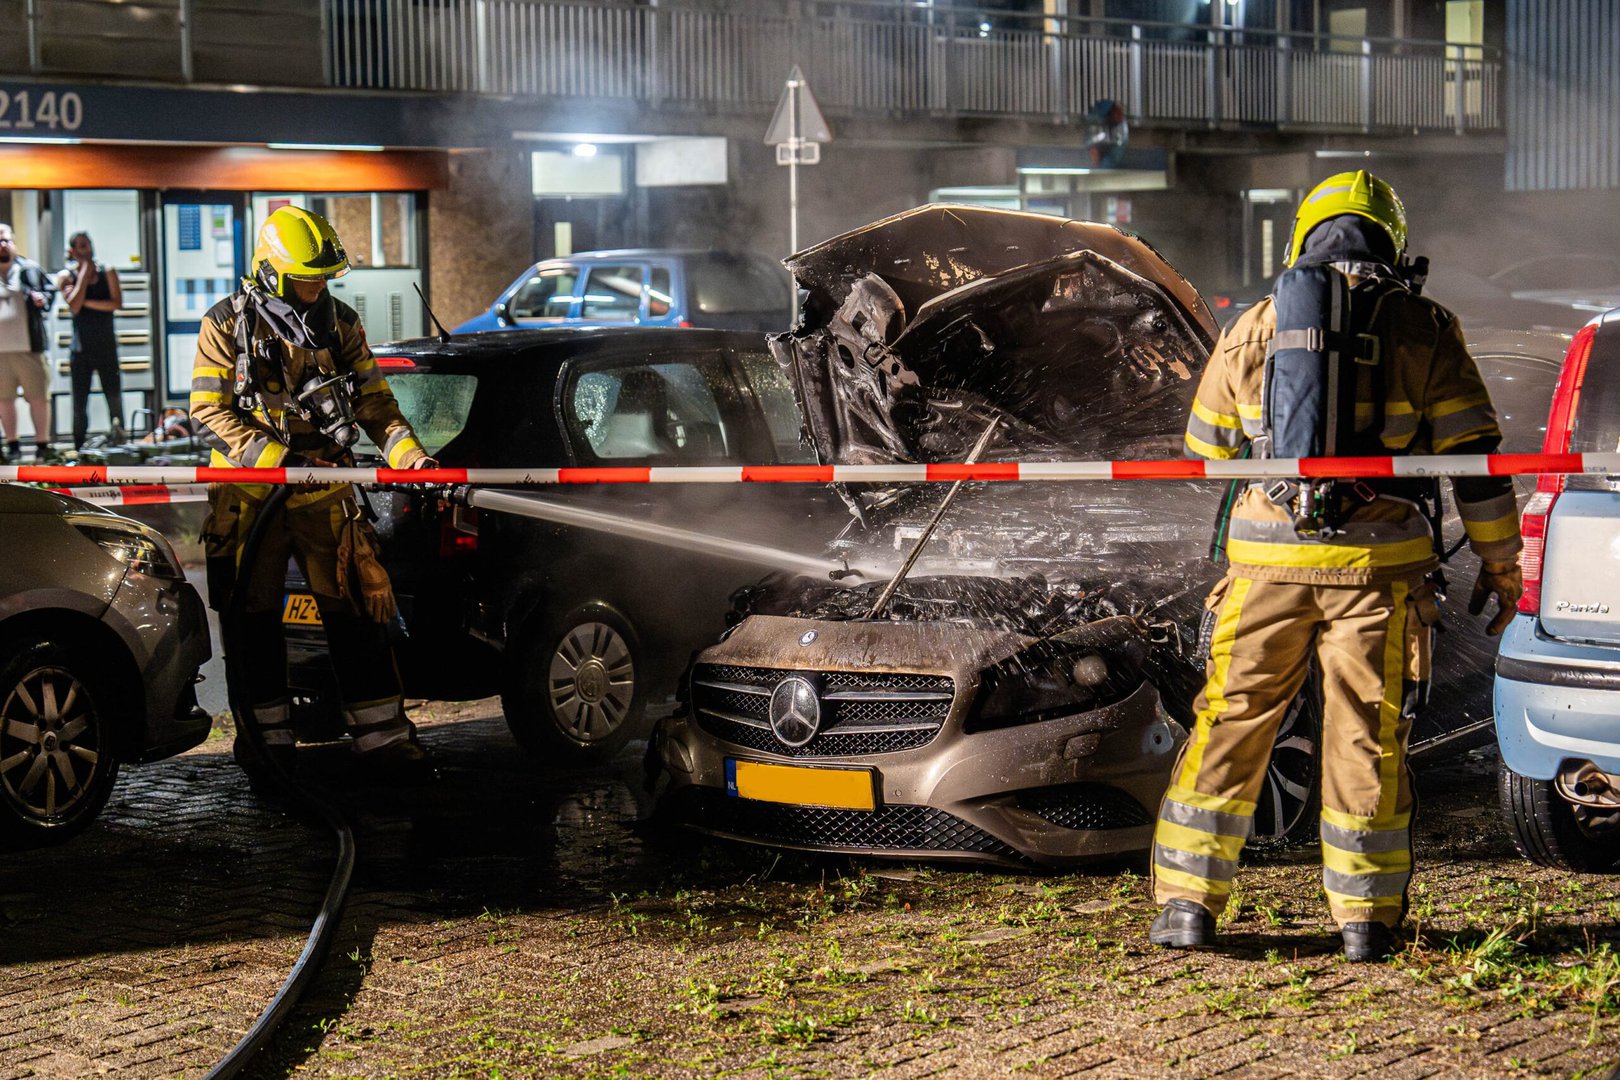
480	231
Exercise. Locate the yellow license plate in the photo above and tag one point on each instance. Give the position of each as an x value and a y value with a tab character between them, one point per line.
301	610
798	785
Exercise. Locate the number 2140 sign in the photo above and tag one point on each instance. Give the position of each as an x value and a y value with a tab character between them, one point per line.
24	110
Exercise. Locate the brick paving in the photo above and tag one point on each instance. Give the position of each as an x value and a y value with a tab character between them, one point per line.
515	922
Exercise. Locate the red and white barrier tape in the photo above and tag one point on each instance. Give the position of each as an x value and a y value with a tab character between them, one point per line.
1181	469
138	494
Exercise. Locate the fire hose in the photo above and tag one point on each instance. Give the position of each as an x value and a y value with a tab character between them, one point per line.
300	797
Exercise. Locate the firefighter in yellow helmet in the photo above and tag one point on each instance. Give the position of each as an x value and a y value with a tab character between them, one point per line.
1343	358
284	378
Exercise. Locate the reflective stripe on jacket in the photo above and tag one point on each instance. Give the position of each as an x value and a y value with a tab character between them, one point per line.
1434	403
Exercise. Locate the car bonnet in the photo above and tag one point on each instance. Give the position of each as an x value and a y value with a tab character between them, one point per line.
920	327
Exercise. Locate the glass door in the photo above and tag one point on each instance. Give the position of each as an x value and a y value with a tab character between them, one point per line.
203	260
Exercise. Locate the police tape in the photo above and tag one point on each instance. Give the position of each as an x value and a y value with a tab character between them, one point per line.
1326	468
138	494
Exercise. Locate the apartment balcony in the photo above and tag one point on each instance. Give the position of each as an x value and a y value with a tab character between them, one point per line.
868	60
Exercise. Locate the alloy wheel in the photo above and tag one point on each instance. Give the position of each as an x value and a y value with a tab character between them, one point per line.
50	744
592	682
1285	795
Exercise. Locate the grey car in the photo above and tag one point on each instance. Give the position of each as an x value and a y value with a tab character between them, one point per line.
101	637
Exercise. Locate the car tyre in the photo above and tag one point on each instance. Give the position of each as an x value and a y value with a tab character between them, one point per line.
1290	802
58	758
1549	830
574	689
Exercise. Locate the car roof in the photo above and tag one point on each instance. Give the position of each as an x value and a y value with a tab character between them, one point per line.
648	253
558	343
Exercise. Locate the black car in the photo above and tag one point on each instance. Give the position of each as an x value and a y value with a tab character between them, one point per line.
581	605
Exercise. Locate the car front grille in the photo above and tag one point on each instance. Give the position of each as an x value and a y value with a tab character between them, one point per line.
861	712
888	828
1085	806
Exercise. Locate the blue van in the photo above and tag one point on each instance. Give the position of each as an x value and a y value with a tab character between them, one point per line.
645	287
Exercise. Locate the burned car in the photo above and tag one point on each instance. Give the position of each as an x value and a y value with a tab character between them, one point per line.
1018	688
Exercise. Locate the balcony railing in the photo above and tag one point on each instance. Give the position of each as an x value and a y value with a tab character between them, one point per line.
886	59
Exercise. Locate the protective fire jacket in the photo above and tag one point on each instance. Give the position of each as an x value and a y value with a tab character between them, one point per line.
1434	403
259	429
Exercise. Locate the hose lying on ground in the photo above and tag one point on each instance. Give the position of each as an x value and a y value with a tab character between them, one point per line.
296	797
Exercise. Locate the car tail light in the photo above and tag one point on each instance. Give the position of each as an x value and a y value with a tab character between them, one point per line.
458	533
1223	302
396	363
1533	527
1560	428
685	324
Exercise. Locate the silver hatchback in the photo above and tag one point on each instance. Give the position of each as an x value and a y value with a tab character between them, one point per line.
101	637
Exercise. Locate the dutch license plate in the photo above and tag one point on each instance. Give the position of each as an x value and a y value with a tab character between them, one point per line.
300	610
799	785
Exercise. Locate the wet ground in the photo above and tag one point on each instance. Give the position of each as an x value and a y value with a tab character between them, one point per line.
511	921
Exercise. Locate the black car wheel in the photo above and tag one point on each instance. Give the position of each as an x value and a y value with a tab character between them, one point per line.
572	688
57	760
1290	802
1549	830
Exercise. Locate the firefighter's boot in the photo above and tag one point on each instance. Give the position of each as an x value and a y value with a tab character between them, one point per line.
269	753
385	744
1183	924
1368	942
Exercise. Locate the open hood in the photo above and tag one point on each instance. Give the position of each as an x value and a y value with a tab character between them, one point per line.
920	327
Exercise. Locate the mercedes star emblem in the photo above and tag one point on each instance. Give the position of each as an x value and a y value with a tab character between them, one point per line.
795	711
807	637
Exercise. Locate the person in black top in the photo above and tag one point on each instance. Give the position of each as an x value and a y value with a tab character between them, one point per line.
93	294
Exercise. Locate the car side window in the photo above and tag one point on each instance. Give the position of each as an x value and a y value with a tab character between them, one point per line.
547	295
666	412
1521	389
613	293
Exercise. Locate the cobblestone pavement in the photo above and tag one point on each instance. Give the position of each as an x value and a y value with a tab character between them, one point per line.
511	922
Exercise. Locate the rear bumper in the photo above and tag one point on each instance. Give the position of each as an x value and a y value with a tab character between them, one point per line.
1556	702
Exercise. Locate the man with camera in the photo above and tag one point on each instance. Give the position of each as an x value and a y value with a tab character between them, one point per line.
93	295
284	378
26	294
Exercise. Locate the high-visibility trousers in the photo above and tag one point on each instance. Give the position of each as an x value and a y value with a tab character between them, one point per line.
362	659
1370	643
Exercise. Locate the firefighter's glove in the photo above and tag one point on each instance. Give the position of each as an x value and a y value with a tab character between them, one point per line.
376	593
426	463
1503	580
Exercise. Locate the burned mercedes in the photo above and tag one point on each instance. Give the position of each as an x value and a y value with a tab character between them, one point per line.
1014	683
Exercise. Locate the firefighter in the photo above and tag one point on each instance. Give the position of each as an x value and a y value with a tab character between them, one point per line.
1344	358
283	377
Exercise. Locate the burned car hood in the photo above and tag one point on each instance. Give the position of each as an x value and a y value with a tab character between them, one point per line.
1079	337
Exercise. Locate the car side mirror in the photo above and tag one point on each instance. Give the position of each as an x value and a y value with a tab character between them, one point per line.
501	313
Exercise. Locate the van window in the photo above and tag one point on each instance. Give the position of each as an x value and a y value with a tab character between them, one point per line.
728	284
612	293
546	295
659	299
659	412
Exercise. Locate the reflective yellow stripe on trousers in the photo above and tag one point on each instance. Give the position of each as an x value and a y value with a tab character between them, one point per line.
1198	838
1367	861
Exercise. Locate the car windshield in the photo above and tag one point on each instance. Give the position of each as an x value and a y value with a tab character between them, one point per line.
721	284
436	406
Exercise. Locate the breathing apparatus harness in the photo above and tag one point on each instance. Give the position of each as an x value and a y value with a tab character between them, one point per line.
1323	358
325	400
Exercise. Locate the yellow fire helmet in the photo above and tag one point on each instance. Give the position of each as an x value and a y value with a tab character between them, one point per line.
297	243
1359	193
